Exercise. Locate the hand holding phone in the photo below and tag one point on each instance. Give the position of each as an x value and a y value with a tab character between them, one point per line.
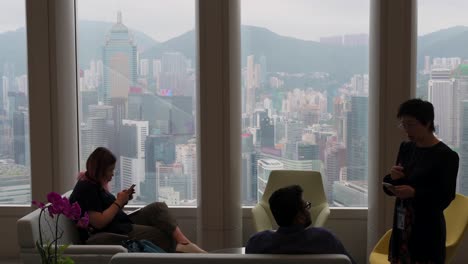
389	186
131	191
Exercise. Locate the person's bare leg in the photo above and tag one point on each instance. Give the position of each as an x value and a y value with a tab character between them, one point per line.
184	244
179	237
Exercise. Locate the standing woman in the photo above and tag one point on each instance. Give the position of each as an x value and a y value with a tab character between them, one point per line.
153	222
424	180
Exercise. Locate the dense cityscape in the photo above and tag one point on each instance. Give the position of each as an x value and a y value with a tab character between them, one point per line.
143	107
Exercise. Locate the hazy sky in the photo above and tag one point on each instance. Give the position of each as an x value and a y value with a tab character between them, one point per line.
304	19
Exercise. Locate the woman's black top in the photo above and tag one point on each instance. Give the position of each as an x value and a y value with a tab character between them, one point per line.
432	172
92	197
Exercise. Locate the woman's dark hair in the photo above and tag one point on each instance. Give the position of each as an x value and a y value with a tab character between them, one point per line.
285	204
421	110
98	162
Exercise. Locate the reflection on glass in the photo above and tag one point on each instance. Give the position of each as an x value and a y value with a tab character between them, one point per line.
136	95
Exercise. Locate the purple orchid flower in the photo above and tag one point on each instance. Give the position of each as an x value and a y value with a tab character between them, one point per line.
84	221
73	211
38	204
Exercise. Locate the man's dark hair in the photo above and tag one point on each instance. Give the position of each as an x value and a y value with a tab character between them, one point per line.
421	110
285	204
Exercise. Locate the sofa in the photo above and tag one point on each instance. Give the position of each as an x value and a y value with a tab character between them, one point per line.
224	258
28	234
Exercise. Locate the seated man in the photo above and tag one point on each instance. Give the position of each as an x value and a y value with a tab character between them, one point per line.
292	214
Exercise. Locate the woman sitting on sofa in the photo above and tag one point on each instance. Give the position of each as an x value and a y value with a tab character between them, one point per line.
153	222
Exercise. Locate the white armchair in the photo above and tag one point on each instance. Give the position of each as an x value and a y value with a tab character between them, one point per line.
28	234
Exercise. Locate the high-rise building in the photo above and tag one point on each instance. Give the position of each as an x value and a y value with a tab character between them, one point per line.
357	138
306	151
144	67
119	61
4	94
460	93
132	153
95	133
186	154
267	132
158	148
264	168
463	172
21	137
251	86
249	170
441	95
335	159
87	98
174	75
293	131
171	175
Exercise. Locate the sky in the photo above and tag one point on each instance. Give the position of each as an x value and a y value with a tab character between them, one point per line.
303	19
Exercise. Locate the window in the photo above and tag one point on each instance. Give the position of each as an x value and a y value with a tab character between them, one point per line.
15	169
442	66
305	87
137	94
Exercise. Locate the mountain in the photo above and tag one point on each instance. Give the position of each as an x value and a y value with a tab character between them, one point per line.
13	50
283	54
91	37
450	42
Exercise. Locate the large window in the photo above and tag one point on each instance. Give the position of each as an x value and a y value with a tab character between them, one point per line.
442	66
137	94
15	171
305	88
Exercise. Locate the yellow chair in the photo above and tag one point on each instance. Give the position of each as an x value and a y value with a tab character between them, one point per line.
311	183
456	218
380	252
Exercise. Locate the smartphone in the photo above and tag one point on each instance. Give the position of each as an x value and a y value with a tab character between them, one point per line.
131	188
389	186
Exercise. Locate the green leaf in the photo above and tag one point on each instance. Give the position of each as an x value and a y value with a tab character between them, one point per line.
42	252
62	249
67	260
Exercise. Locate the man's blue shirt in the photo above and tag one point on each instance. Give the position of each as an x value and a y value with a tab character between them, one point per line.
295	240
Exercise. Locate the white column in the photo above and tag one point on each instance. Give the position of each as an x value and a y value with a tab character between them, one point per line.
219	130
64	92
52	95
392	75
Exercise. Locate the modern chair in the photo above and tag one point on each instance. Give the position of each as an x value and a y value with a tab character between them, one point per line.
456	218
380	252
311	183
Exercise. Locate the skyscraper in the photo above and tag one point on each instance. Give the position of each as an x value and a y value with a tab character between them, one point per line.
463	172
441	95
132	153
157	149
119	62
357	138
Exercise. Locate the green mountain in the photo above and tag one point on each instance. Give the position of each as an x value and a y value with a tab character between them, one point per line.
450	42
91	38
283	54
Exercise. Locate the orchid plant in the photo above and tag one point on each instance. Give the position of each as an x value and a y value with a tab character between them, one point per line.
50	251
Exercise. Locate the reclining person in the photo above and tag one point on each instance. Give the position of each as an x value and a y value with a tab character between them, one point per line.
293	236
153	222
